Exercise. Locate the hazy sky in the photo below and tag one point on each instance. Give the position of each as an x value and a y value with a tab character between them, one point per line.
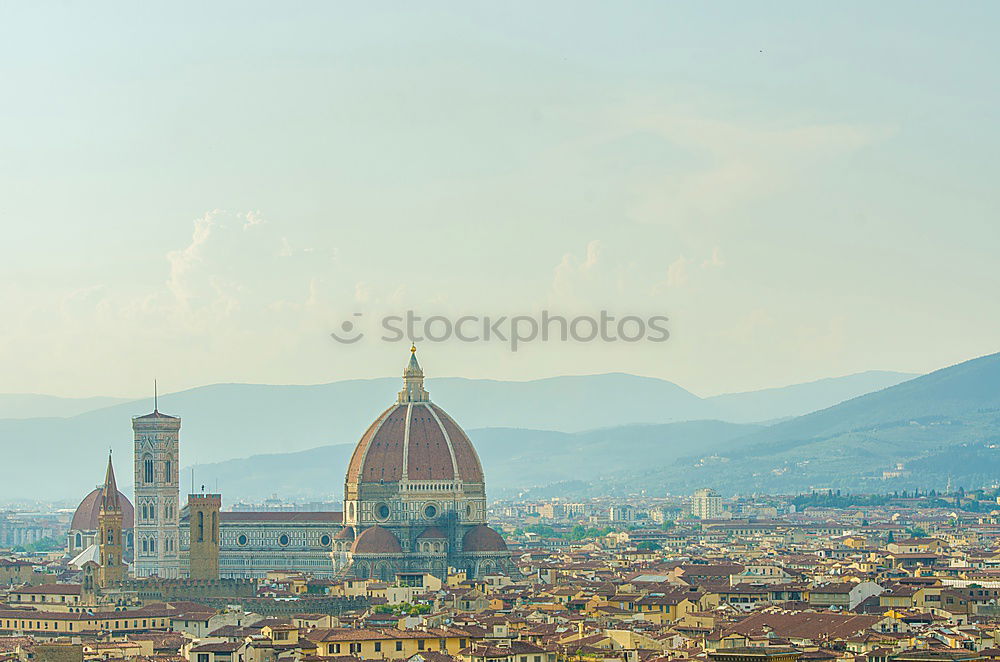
201	192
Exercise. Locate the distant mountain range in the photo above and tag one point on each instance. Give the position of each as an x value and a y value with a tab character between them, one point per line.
31	405
920	433
225	422
513	459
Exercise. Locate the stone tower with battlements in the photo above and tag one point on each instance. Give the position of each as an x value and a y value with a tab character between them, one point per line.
203	520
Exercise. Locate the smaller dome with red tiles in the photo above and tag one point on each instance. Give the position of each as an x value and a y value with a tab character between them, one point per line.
376	540
87	513
346	533
483	539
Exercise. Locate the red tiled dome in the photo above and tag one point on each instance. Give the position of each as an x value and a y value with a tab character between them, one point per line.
483	539
376	540
346	533
433	445
414	439
86	516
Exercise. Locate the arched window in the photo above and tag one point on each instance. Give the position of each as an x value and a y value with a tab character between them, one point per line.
111	536
147	470
145	545
79	540
201	526
215	527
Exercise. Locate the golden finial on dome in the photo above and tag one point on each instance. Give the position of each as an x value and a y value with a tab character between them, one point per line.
413	380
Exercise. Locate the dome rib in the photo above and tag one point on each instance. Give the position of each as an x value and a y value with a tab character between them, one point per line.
406	442
456	474
467	462
378	456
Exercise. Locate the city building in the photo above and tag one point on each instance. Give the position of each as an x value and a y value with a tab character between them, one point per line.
252	544
415	501
415	497
706	504
621	513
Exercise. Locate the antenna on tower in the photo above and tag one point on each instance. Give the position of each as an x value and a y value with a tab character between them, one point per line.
156	398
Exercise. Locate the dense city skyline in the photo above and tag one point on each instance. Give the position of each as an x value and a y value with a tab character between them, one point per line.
460	331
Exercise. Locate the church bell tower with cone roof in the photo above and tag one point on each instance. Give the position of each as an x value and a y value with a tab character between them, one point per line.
110	544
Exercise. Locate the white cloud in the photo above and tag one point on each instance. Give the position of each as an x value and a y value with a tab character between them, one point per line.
252	218
572	270
750	326
715	261
677	272
676	276
730	165
183	262
234	268
362	292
